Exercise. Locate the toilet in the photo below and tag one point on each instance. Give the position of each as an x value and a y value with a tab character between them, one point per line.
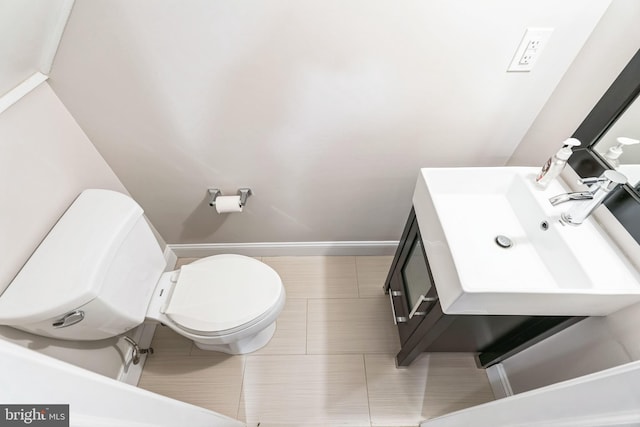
100	273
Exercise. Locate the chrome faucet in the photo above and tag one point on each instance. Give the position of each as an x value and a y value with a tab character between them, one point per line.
600	188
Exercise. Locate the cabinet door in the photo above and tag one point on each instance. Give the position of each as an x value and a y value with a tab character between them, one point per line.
410	282
416	277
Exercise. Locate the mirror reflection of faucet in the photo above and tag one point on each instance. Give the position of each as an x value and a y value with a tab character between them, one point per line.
598	191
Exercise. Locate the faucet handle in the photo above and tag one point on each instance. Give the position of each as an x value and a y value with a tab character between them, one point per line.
615	176
609	179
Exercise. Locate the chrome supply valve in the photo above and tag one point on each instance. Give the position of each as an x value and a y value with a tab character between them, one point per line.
585	202
137	352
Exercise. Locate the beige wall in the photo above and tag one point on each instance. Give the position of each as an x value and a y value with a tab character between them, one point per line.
326	109
599	342
45	161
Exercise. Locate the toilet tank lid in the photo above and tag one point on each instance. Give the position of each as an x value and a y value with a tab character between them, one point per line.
68	269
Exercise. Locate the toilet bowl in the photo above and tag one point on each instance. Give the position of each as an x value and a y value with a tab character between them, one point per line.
100	273
227	303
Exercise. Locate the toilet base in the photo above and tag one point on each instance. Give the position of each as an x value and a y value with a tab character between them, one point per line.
243	346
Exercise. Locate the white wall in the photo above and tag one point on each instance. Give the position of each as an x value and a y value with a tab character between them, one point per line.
613	42
45	161
326	109
602	342
30	31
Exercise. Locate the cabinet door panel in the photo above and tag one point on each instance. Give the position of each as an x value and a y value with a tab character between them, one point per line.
416	277
410	282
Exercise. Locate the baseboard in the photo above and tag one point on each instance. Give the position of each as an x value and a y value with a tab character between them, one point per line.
20	91
499	381
170	257
143	335
363	248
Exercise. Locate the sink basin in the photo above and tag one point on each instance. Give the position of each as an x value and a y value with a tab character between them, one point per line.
550	268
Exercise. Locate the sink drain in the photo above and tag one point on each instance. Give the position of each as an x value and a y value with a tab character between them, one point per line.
503	241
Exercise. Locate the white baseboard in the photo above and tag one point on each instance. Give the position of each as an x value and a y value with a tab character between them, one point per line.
130	373
18	92
170	257
499	381
363	248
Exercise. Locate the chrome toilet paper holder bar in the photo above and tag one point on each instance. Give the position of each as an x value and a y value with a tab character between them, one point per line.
244	194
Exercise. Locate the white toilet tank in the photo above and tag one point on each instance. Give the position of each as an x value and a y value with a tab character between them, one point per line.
92	276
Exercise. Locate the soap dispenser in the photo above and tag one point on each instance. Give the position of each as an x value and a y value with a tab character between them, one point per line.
556	163
613	153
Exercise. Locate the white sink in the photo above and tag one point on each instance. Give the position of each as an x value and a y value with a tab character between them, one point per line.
563	270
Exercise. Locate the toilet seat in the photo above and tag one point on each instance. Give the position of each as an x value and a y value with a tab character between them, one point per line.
223	294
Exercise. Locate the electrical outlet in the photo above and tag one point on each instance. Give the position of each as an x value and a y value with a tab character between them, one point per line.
530	48
534	44
526	59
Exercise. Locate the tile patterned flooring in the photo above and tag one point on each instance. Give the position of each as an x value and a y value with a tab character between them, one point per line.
330	362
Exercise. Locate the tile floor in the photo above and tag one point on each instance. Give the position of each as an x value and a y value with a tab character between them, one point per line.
330	362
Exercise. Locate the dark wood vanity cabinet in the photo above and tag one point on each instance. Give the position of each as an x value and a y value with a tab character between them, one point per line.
424	327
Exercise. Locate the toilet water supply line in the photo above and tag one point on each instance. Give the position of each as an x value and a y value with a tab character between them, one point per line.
137	351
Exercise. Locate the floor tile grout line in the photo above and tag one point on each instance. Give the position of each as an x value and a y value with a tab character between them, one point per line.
366	387
244	371
306	331
355	261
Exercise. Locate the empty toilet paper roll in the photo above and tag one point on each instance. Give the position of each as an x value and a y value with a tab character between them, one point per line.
227	204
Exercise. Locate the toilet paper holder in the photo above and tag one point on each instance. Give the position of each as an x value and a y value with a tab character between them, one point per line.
244	194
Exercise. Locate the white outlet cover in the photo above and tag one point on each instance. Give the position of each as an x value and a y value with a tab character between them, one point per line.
526	57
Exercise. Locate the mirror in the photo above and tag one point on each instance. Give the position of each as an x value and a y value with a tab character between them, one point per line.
617	114
619	147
